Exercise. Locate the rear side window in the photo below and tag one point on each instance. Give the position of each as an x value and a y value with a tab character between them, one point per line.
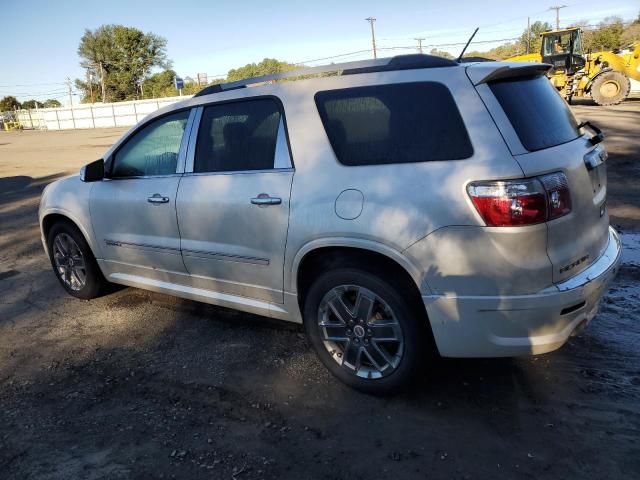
398	123
539	115
238	136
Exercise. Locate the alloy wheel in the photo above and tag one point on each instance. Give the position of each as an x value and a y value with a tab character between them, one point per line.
360	331
69	261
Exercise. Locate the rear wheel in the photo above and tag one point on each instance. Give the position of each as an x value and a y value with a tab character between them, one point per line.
610	88
363	330
73	262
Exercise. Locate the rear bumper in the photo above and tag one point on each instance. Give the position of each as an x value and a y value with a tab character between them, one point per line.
505	326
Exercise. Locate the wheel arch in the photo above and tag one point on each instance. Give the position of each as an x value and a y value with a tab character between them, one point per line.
53	216
327	253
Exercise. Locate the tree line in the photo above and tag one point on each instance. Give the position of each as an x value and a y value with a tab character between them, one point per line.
609	34
119	60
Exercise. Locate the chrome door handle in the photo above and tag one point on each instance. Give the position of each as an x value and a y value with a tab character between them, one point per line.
156	198
264	199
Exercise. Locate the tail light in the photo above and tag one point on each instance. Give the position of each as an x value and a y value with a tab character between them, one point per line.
508	203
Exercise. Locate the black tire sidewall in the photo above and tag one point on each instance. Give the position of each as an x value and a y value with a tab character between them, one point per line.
625	87
410	323
94	281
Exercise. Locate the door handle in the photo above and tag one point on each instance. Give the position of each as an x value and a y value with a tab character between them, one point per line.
265	199
156	199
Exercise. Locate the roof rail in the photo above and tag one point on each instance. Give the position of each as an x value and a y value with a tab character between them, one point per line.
399	62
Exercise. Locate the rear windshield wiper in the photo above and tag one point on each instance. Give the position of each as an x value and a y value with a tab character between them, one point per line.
598	135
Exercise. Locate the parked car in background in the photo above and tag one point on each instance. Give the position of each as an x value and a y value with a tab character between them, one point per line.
403	206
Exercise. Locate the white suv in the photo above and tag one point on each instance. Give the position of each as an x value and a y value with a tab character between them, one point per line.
395	207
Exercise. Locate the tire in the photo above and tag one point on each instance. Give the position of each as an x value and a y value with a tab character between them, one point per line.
410	326
87	286
610	88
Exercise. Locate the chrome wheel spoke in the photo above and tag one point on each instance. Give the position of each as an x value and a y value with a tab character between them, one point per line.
351	355
69	261
339	309
335	333
382	357
78	261
60	246
364	306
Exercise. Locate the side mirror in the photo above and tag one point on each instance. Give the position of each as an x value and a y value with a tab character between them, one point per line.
92	172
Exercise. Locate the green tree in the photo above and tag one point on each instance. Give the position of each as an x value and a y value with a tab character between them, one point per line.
607	35
124	56
30	104
534	32
52	103
441	53
160	85
9	103
268	66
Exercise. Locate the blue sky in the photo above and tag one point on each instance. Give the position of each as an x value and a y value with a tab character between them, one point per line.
40	38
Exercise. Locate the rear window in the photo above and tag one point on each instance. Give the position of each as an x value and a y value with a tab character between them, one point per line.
399	123
539	115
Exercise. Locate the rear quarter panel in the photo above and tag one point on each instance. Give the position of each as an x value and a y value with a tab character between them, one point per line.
402	203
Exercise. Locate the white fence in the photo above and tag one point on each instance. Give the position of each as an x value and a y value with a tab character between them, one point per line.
120	114
93	115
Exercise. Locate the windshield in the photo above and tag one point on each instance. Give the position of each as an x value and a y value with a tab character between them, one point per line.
539	115
562	43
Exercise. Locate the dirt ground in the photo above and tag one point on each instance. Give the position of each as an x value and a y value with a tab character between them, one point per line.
142	385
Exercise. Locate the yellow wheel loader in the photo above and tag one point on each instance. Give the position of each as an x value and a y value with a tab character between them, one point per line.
602	75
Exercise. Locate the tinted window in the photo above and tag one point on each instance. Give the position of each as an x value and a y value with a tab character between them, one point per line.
238	136
539	115
400	123
152	150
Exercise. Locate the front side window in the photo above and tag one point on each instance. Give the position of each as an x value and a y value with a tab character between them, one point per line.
152	150
241	136
397	123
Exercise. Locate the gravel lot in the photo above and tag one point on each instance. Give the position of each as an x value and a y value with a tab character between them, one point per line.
142	385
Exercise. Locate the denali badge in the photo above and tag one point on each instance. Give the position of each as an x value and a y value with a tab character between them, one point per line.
566	268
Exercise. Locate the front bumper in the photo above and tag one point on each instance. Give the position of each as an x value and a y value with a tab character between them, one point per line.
506	326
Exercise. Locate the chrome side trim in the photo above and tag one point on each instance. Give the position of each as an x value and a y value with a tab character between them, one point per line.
189	253
282	158
184	143
193	137
142	246
225	257
217	298
240	172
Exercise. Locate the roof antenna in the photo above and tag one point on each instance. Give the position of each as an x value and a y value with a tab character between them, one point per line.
467	45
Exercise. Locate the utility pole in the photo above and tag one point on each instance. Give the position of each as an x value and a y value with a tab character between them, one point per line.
557	9
90	82
70	96
528	35
104	91
419	40
373	35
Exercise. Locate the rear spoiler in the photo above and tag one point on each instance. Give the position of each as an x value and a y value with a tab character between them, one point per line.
488	72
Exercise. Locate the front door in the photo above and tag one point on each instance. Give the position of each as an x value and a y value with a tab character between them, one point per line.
133	211
233	201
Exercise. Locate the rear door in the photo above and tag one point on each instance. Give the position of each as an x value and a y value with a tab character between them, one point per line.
233	201
544	137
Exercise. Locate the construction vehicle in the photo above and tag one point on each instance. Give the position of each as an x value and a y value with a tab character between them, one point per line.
602	75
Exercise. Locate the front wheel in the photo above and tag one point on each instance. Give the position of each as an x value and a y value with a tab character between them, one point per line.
610	88
73	262
364	331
